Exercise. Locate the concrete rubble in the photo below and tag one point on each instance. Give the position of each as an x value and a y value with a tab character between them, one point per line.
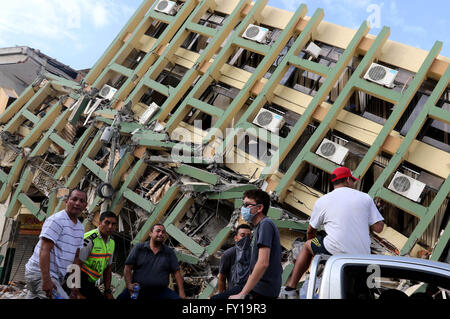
13	291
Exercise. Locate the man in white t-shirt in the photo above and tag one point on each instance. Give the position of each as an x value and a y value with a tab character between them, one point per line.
60	241
347	216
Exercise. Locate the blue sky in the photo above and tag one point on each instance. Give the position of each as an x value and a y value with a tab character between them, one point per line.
76	32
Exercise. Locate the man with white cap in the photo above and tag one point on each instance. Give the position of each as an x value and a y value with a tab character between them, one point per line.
347	216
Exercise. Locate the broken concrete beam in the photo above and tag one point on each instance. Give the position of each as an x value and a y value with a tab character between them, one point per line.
208	290
157	214
289	224
24	185
11	178
6	98
185	240
219	240
186	258
178	212
286	273
200	174
231	191
197	187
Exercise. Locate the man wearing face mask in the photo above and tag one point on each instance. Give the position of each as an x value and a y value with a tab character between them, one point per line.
264	281
235	264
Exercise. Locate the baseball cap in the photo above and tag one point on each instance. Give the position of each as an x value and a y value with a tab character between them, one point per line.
342	172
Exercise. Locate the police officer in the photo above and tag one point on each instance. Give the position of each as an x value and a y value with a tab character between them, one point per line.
96	257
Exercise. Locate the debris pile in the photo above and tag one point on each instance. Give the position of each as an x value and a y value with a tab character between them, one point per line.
13	291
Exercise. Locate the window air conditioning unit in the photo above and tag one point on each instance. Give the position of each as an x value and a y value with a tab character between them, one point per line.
313	50
406	186
269	120
149	112
381	75
167	7
256	33
332	151
107	92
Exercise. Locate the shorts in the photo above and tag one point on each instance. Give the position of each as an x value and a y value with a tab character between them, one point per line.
318	247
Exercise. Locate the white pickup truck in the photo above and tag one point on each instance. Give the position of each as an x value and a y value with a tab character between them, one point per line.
377	277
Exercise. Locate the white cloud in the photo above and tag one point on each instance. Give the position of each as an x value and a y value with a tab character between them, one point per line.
100	15
58	20
335	10
396	20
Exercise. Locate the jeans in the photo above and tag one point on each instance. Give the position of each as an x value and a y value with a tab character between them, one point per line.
34	286
151	293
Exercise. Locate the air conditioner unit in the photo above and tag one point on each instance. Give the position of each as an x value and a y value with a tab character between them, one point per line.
406	186
256	33
269	120
149	112
332	151
107	92
167	7
381	75
313	50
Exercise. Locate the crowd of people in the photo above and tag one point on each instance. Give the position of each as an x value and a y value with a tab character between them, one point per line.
250	269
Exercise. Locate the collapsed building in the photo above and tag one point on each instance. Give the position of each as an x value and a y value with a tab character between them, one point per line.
196	102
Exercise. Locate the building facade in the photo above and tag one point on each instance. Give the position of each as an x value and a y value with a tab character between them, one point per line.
195	102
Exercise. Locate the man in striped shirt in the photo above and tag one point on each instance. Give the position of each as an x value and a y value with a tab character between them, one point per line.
60	241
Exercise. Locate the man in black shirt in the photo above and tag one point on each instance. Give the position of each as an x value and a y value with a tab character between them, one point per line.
234	264
149	264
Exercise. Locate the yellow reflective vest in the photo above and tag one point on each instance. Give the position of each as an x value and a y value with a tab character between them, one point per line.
99	255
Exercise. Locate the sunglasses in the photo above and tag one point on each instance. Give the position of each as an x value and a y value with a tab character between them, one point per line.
249	205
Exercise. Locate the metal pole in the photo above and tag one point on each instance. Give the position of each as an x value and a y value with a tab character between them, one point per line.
112	157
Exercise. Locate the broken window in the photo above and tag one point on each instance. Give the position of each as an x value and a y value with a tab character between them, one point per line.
196	42
156	29
435	133
172	75
257	148
398	219
133	59
444	101
299	144
303	81
245	60
395	282
213	20
308	82
315	179
369	107
153	96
